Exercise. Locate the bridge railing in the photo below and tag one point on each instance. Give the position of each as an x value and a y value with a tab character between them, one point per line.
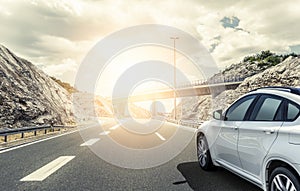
7	132
212	81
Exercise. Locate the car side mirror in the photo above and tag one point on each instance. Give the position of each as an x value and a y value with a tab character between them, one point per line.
218	114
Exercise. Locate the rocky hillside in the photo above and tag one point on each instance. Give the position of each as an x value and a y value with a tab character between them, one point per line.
251	65
88	107
28	96
138	112
285	73
65	85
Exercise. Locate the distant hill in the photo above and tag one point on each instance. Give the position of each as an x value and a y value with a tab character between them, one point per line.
65	85
88	106
28	96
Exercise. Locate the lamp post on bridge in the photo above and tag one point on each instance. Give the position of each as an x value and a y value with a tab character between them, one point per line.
174	40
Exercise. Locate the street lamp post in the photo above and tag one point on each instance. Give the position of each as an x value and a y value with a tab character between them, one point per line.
174	40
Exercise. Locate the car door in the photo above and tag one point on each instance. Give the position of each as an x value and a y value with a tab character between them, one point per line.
259	132
291	129
225	147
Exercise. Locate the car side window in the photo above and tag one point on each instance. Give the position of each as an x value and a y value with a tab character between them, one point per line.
239	109
292	111
267	109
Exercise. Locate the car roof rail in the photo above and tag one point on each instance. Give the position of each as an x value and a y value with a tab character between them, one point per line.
293	90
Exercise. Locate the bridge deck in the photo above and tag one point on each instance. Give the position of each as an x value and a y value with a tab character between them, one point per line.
211	89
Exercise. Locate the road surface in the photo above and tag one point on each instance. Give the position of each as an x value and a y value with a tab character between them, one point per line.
67	163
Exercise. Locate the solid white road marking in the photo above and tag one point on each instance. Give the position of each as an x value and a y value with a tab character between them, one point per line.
90	142
105	133
47	170
115	127
161	137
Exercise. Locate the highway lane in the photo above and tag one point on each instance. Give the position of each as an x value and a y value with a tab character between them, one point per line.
86	171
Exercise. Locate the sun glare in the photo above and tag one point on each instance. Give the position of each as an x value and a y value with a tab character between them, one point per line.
129	58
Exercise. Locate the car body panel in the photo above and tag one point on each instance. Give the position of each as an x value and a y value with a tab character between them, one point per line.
257	143
225	146
254	142
240	172
293	129
283	148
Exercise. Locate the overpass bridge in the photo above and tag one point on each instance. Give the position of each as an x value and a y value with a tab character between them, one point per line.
201	90
120	104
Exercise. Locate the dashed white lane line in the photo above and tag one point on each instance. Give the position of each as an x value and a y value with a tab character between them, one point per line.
115	127
47	170
105	133
159	135
90	142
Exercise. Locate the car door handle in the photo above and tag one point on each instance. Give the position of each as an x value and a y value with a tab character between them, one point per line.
269	131
231	127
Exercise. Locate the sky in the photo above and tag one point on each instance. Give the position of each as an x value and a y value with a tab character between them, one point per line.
56	35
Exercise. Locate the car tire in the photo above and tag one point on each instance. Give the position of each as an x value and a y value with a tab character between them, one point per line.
203	153
283	179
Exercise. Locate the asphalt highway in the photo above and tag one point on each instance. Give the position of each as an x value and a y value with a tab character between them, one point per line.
72	162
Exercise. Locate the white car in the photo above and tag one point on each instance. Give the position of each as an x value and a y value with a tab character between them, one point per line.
257	137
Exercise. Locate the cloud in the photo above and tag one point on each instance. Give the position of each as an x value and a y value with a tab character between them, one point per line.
64	70
51	32
259	27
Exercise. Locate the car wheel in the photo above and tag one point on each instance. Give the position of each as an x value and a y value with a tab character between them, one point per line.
282	179
203	153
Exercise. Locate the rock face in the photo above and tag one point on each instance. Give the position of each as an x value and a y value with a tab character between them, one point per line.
251	65
28	96
138	112
89	107
194	107
285	73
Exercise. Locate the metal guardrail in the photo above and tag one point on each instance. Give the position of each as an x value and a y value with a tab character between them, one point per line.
6	132
190	123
